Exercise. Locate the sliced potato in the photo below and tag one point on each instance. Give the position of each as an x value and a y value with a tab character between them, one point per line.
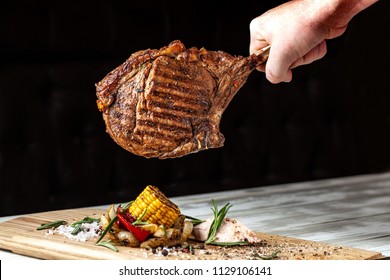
104	221
152	228
160	232
111	212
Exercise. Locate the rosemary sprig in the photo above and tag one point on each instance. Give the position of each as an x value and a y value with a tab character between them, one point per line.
139	219
76	229
77	225
267	257
54	224
236	243
86	220
219	217
107	244
126	205
109	226
165	230
195	221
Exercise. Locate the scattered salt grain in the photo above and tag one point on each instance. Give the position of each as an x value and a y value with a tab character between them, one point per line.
87	231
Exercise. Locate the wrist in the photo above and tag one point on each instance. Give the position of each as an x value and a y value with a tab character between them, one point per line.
331	17
363	4
345	8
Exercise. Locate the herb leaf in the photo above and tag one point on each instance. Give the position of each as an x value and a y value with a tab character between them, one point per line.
86	220
139	219
77	225
235	243
77	229
267	257
107	244
126	205
54	224
195	221
109	226
219	217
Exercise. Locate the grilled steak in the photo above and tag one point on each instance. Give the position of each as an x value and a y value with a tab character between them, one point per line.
168	102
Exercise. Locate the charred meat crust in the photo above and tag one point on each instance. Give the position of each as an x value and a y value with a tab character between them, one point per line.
168	102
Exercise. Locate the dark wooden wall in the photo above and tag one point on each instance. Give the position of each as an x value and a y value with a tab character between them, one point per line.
332	120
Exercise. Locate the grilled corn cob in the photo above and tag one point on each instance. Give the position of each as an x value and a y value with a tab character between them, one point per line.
154	207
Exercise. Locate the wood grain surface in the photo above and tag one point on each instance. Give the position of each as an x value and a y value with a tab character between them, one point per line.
20	236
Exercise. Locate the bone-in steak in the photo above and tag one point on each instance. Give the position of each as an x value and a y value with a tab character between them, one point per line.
169	102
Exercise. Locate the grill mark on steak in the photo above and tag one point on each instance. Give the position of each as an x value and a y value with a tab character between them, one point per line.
181	84
166	116
166	122
179	104
189	100
168	102
182	96
179	79
163	129
171	74
165	93
161	106
179	90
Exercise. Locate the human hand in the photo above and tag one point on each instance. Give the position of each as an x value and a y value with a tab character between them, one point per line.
297	31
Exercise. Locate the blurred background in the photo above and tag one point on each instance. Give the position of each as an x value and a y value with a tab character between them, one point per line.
333	120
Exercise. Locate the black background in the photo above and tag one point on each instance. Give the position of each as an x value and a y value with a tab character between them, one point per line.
333	120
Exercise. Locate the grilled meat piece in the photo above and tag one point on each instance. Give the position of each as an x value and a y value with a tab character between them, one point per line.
168	102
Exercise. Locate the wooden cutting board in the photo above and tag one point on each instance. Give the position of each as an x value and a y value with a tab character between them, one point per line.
20	236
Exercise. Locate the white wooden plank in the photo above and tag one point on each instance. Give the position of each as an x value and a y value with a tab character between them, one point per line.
354	211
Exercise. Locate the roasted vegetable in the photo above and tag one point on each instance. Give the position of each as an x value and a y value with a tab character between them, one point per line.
151	220
179	233
153	207
139	233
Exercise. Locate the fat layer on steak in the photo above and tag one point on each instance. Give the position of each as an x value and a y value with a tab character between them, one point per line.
168	102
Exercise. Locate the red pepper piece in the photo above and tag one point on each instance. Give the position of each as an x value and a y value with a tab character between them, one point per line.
140	234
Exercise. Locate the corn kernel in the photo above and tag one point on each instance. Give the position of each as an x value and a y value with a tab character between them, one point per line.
159	209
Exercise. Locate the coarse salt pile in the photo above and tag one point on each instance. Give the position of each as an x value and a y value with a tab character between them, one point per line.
87	231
